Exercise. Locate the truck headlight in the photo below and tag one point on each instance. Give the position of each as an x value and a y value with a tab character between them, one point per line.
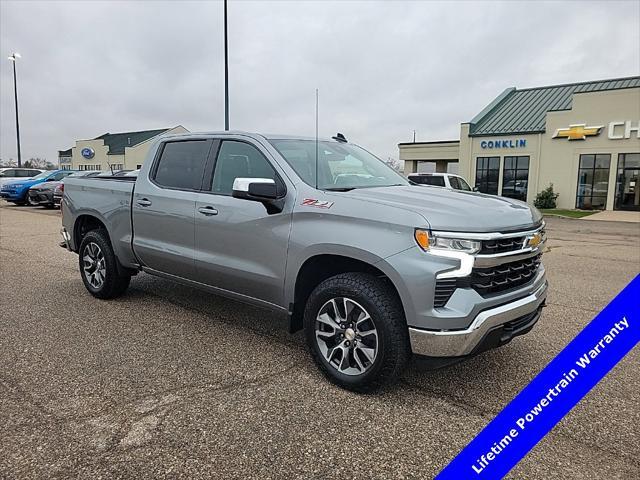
431	241
455	244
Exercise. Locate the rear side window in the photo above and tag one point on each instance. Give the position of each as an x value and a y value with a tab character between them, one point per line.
429	180
181	164
8	173
239	160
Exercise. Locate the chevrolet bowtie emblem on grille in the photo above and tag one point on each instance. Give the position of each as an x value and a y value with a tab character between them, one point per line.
578	132
532	240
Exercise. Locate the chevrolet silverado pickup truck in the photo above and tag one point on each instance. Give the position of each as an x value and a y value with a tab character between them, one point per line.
372	267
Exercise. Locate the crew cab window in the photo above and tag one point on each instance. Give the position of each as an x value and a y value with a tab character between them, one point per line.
8	173
181	164
239	160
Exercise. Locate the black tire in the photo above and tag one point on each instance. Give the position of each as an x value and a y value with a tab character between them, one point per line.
113	284
27	201
383	305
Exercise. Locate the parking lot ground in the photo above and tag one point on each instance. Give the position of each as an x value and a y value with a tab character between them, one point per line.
171	382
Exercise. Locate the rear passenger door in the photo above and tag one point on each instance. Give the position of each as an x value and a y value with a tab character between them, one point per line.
241	247
164	206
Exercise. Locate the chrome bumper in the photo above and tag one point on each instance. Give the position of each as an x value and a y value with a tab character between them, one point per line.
457	343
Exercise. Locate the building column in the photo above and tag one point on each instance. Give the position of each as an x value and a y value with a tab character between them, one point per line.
441	166
410	166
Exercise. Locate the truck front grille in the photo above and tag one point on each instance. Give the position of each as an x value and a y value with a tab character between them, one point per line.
491	247
489	281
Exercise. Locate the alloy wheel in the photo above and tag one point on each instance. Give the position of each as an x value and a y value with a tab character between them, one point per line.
346	336
94	268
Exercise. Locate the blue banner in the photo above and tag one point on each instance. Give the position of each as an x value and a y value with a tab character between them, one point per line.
553	393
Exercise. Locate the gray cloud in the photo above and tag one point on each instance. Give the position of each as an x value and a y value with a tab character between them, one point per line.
383	68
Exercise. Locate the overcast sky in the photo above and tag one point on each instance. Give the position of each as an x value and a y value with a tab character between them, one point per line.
383	68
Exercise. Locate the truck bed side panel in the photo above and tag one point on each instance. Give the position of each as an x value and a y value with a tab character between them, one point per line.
107	200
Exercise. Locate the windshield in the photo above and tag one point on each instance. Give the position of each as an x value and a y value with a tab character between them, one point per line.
41	176
340	166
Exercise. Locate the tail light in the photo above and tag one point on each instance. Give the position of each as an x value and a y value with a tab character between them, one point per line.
59	188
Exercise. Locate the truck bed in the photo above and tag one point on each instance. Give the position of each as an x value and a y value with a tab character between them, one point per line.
109	199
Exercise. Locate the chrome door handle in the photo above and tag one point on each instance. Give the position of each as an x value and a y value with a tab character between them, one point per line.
208	211
143	202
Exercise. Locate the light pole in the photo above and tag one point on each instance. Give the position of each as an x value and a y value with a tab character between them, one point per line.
226	71
14	58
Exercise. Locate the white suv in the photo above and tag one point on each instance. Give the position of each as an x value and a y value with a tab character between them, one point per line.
11	174
447	180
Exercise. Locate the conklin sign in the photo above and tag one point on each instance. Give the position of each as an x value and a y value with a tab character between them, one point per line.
517	143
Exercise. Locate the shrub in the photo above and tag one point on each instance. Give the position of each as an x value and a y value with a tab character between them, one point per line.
546	198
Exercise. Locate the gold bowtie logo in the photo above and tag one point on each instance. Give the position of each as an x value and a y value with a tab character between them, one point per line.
533	240
578	132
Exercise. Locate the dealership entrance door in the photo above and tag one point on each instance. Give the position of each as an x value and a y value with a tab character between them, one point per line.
628	182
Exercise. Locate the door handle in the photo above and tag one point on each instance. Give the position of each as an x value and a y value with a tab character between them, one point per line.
143	202
208	211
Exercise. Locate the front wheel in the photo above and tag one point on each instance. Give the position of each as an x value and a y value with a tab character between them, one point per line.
99	267
356	331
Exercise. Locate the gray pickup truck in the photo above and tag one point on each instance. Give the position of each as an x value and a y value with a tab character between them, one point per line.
372	267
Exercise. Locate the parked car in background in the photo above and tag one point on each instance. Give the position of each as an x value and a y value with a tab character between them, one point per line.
18	192
11	174
447	180
58	187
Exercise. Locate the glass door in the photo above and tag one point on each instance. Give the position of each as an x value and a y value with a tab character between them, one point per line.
628	182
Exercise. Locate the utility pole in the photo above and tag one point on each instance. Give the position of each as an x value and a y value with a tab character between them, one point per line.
226	71
14	57
414	136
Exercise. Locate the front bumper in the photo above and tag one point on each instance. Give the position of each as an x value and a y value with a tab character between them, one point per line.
39	197
490	328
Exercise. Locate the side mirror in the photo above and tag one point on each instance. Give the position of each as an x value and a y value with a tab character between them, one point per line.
256	189
475	189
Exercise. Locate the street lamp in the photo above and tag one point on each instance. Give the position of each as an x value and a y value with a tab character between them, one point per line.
14	58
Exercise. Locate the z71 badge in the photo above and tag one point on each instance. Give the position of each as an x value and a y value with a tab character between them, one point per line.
312	202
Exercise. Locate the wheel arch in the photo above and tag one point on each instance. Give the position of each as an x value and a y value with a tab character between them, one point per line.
318	268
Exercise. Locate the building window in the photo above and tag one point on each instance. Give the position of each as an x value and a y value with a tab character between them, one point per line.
487	173
138	167
627	186
593	181
116	167
515	177
89	167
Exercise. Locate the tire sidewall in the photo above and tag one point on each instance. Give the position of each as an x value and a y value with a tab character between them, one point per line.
316	300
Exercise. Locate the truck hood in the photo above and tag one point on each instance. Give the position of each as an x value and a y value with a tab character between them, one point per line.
452	210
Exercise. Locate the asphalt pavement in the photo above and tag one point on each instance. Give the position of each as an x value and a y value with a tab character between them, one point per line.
170	382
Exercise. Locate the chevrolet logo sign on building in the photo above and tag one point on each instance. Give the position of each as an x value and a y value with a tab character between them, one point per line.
578	132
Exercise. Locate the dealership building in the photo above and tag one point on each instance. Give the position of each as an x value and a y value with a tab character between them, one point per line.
584	138
112	151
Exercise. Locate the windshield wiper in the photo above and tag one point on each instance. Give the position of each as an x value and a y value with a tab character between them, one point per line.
339	189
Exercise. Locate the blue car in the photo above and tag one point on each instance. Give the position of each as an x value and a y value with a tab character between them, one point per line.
18	192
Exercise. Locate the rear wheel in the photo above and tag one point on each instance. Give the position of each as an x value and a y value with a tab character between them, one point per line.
356	331
99	267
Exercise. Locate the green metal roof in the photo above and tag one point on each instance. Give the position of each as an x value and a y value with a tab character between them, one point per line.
118	141
524	111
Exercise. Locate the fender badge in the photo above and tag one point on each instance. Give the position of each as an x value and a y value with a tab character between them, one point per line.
312	202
